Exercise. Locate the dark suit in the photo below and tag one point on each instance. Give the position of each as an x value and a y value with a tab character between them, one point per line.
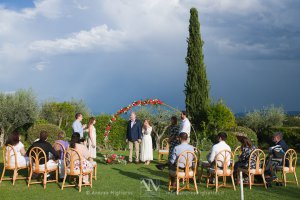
134	134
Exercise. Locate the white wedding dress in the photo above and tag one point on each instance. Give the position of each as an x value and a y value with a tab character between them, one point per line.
91	141
146	146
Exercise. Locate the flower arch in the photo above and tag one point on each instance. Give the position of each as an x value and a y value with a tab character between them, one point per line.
146	102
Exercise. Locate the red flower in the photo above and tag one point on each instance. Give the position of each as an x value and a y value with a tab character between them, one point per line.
108	160
113	156
105	134
122	157
113	119
107	128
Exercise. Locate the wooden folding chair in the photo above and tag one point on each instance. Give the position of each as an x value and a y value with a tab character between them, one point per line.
164	150
257	156
37	154
71	157
288	167
190	161
224	165
9	153
95	166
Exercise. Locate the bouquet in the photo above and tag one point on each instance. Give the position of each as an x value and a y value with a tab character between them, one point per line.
114	158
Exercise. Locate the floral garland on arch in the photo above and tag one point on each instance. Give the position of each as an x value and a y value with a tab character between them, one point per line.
126	109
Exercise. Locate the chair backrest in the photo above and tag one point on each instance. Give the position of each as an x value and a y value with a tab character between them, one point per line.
59	147
36	154
198	155
257	159
290	160
189	160
224	160
165	144
9	153
72	157
237	152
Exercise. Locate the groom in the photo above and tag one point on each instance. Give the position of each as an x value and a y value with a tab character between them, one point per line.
134	136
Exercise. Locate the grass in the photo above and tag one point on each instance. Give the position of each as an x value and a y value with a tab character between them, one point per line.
118	181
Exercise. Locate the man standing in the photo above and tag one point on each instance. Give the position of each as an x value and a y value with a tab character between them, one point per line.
134	136
185	126
77	126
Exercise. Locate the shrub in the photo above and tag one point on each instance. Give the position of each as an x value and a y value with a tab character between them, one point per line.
231	136
117	135
52	130
291	136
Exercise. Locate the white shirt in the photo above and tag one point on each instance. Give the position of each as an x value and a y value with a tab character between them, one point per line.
185	126
216	149
132	123
77	127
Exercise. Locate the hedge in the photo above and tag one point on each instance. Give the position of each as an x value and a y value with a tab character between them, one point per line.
291	136
34	132
117	135
232	139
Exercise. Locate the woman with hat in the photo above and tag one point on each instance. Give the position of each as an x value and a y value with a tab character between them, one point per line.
246	149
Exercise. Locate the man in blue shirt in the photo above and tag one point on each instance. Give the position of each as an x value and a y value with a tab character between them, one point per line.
184	146
77	126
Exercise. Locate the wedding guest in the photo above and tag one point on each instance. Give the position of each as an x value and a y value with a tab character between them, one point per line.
92	138
84	153
185	125
184	146
173	141
246	150
217	148
14	140
47	148
146	145
134	136
275	157
65	144
77	126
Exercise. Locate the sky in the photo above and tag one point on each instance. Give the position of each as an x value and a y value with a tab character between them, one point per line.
111	53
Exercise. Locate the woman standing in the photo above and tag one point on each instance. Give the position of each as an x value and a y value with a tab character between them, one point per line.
92	138
146	146
173	135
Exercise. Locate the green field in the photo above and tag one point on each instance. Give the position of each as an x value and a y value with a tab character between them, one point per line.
117	181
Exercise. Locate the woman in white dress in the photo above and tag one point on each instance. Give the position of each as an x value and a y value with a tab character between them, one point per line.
92	138
146	146
14	140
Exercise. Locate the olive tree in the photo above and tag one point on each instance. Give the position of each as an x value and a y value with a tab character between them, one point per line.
16	110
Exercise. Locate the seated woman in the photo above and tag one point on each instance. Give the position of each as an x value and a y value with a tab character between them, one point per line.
246	149
85	154
14	140
61	137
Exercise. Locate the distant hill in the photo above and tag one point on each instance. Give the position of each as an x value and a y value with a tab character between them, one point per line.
289	113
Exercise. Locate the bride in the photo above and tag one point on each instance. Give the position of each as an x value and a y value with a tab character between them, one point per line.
146	146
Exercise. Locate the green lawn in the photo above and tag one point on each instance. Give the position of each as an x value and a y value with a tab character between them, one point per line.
119	181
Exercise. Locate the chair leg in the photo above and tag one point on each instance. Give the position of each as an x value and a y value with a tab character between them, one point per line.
56	175
224	180
45	180
95	172
29	178
3	172
264	180
284	178
177	185
233	184
250	180
91	179
15	176
195	183
169	188
217	182
296	179
63	184
207	180
80	182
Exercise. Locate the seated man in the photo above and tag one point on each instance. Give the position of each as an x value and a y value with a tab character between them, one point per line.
276	154
184	146
48	149
220	146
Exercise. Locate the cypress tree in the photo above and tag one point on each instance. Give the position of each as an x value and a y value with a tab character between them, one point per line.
197	86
